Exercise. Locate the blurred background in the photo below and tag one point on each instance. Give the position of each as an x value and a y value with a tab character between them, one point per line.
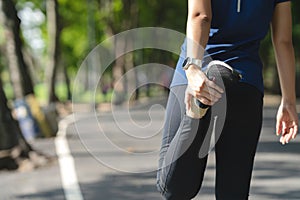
42	46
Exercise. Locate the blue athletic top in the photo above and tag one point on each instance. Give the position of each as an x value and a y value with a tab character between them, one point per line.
237	28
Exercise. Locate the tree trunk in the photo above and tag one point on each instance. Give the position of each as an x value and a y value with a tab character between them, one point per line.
7	141
20	76
53	47
68	85
12	142
118	71
125	63
15	152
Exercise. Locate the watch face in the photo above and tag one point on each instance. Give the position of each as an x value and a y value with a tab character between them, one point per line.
185	62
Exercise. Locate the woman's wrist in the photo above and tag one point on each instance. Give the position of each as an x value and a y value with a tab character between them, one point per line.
192	69
288	101
192	72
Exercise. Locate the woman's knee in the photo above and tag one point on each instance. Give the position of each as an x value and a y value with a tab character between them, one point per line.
176	190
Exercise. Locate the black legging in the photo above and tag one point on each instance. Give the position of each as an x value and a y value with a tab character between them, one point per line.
181	166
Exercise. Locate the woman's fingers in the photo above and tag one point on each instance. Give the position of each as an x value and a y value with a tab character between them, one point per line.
285	139
278	128
284	127
207	91
187	99
207	96
289	134
295	130
206	101
215	87
287	123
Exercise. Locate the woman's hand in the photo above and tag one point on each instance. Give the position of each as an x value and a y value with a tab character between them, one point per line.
200	87
287	122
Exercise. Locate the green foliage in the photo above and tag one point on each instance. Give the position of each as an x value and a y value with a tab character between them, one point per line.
110	17
40	91
1	36
73	15
168	14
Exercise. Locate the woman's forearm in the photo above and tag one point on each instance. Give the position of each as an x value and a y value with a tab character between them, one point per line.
284	51
198	26
286	70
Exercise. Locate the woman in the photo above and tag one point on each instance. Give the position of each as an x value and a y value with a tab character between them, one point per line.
229	31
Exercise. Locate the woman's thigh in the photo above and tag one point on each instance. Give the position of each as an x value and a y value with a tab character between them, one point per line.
181	170
174	113
237	144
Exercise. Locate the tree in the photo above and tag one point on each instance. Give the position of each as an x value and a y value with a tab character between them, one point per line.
15	152
54	28
53	47
20	76
121	15
8	140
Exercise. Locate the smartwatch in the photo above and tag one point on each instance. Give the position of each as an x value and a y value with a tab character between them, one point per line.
191	61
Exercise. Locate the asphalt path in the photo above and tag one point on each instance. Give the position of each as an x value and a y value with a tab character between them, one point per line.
114	155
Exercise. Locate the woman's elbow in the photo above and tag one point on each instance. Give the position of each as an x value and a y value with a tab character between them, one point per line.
287	42
201	18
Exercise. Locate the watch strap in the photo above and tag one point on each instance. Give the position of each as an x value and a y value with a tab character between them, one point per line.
197	62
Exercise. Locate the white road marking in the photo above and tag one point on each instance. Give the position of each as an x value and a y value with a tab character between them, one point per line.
66	162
